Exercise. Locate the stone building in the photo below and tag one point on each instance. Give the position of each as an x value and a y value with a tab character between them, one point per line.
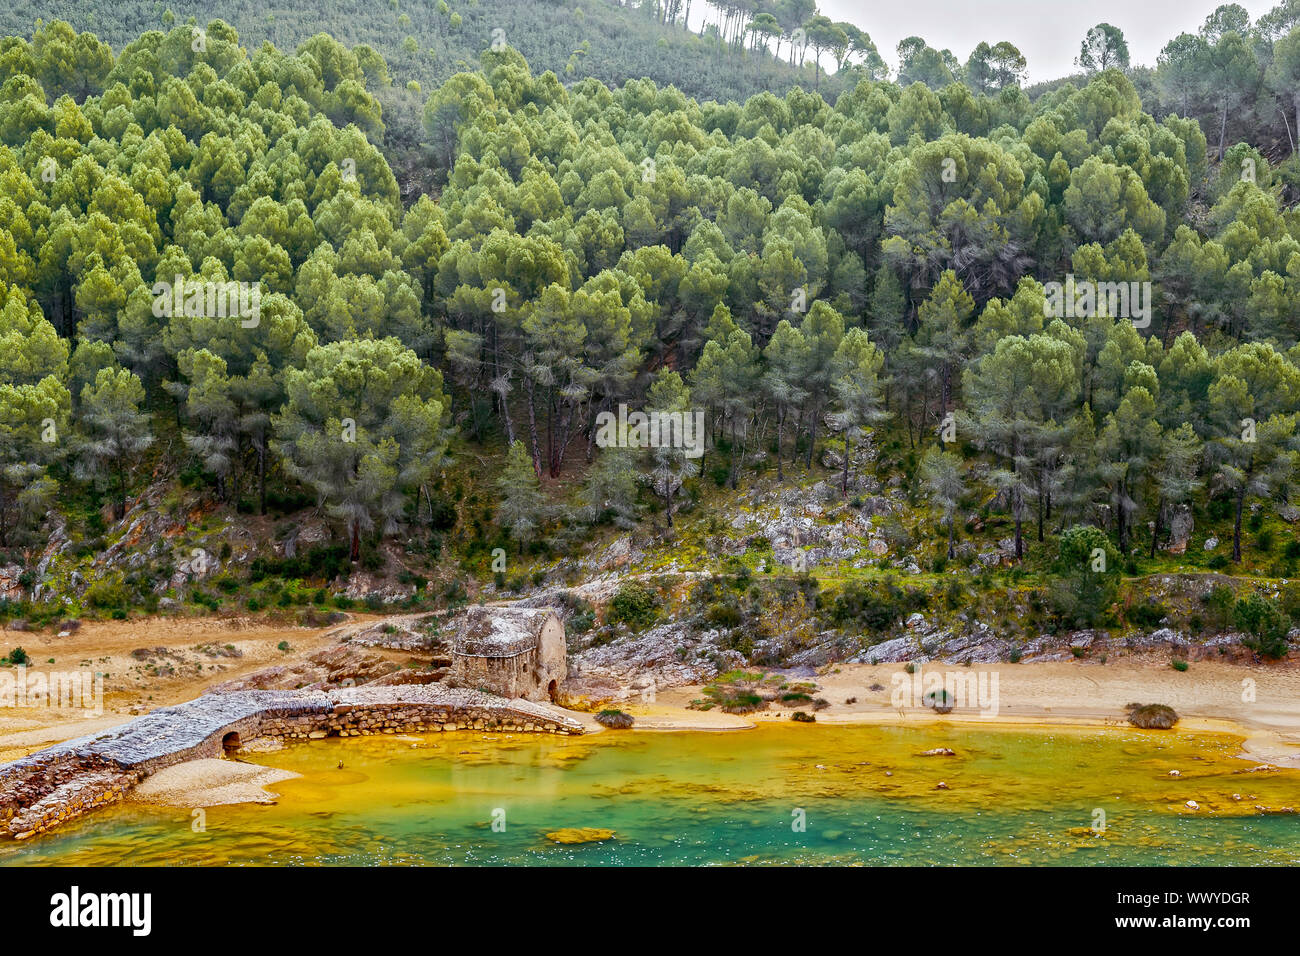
512	652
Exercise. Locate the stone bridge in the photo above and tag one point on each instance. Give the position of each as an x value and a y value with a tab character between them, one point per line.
52	786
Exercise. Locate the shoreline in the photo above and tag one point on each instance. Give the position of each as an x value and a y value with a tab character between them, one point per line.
1038	697
1258	743
202	783
1041	696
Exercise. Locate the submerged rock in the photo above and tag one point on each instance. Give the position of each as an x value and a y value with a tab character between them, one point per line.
575	835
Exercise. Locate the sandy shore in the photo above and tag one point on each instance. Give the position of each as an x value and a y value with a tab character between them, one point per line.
1260	704
210	783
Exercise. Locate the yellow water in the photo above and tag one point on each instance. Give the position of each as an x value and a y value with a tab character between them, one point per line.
777	793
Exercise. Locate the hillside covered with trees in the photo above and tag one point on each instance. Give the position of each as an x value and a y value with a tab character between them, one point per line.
862	292
738	50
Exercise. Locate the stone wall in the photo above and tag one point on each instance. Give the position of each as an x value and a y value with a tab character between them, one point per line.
507	676
346	721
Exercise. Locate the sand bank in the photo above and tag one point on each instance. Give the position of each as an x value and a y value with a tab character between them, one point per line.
210	783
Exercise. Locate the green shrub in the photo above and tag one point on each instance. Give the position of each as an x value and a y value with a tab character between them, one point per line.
1219	603
875	606
938	700
106	594
1265	624
635	605
1087	566
323	562
1147	615
723	614
583	614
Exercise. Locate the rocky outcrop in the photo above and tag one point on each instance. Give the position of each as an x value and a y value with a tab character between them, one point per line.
635	665
414	632
334	667
980	644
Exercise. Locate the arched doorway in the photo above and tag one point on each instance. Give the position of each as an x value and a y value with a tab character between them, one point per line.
230	743
552	691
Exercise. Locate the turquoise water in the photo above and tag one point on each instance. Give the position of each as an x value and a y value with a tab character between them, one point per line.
775	794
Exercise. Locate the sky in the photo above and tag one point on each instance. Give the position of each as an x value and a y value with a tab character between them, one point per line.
1047	32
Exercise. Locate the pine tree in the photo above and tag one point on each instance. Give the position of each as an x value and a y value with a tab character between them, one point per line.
113	432
523	506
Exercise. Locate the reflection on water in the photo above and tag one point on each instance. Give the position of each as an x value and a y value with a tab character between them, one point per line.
862	795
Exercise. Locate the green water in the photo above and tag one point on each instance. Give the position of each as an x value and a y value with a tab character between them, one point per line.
864	795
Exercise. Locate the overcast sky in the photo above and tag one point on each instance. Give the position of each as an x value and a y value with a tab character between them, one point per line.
1048	32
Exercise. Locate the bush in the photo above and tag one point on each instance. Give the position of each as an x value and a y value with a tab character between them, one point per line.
582	616
323	562
939	700
1265	624
442	514
634	605
1152	716
1219	603
1147	615
875	606
614	719
105	595
18	656
736	692
204	599
1085	590
799	717
1178	664
723	614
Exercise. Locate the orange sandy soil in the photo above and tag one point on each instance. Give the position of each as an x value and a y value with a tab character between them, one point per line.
142	685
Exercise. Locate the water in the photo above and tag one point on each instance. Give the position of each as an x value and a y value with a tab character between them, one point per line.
864	795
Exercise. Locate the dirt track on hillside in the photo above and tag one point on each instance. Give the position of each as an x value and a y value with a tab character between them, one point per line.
177	659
